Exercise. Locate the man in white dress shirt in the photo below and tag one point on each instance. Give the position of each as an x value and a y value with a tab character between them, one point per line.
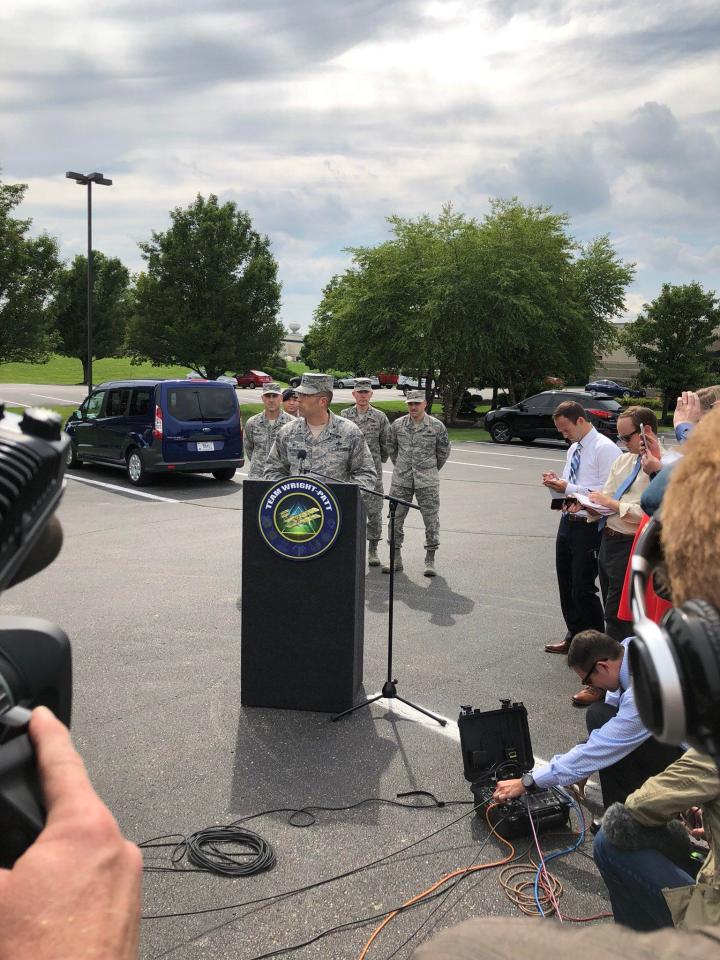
588	464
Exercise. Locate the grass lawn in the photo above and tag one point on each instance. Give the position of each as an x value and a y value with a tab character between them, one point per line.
297	367
66	370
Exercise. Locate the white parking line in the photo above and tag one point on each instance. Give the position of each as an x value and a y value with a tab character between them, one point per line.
480	466
517	456
450	730
128	490
464	463
65	400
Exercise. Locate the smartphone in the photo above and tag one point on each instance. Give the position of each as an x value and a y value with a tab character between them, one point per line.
642	431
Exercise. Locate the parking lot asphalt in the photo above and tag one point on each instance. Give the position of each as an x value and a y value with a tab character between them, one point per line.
147	587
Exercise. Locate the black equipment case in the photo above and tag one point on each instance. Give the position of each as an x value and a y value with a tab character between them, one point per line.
496	746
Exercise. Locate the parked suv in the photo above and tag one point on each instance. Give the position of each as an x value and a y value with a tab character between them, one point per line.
532	418
159	426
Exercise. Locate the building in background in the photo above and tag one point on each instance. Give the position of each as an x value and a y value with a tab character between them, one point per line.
619	365
292	343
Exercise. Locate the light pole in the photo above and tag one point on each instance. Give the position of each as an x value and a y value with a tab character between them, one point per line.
89	179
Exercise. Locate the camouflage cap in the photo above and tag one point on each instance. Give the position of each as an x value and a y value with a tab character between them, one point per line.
315	383
414	396
271	388
363	383
289	392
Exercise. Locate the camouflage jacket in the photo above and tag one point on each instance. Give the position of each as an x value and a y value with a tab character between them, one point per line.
258	438
340	451
375	427
418	452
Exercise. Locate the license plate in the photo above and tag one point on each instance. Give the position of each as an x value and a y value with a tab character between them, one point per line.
205	445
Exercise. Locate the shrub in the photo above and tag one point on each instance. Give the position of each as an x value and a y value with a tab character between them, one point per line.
281	374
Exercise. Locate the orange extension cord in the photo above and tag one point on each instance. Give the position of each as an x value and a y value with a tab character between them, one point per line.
462	871
516	892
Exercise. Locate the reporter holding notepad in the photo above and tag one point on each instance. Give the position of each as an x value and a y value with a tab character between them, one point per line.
588	464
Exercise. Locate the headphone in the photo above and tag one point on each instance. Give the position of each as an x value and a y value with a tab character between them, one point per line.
675	664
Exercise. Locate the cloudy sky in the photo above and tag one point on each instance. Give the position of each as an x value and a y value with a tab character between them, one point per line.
322	117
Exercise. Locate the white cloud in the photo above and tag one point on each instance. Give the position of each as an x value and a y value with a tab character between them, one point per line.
325	116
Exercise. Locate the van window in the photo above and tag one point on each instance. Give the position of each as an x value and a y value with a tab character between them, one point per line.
117	402
201	403
140	401
91	408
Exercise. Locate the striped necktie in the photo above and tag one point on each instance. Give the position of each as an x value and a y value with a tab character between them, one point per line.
575	464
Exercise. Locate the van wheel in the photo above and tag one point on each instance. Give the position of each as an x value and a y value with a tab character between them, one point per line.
500	432
137	474
71	457
227	473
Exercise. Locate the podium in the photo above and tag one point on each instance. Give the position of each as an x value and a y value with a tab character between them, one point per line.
303	594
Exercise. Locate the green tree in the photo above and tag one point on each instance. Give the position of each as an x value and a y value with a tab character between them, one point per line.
672	338
409	304
28	271
210	296
112	303
507	301
550	300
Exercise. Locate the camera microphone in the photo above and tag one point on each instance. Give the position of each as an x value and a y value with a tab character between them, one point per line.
301	455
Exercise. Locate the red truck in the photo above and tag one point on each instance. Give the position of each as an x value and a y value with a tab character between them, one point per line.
388	380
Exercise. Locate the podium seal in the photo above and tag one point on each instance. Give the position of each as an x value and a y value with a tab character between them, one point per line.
299	518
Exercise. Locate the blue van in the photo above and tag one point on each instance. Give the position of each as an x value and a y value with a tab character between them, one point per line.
159	426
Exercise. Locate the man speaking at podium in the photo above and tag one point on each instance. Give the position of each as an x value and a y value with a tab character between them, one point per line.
320	443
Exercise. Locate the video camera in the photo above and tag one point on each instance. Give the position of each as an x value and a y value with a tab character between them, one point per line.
675	664
35	661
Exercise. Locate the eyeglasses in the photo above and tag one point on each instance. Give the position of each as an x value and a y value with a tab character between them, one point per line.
627	436
586	679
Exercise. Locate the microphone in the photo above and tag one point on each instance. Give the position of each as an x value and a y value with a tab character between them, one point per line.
301	455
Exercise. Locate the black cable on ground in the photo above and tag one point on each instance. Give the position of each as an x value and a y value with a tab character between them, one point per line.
233	834
309	886
204	849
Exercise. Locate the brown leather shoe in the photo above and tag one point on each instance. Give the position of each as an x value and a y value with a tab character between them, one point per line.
561	647
588	695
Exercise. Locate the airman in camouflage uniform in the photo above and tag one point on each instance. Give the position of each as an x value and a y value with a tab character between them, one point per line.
375	427
419	448
261	430
290	401
333	446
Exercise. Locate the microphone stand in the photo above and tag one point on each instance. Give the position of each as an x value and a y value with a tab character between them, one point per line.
389	690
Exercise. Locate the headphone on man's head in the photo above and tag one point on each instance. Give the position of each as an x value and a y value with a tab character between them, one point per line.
675	664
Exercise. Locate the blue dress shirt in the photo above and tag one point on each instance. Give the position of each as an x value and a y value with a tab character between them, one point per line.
606	745
682	431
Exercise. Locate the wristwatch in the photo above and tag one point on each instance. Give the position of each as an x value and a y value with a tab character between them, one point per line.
528	781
